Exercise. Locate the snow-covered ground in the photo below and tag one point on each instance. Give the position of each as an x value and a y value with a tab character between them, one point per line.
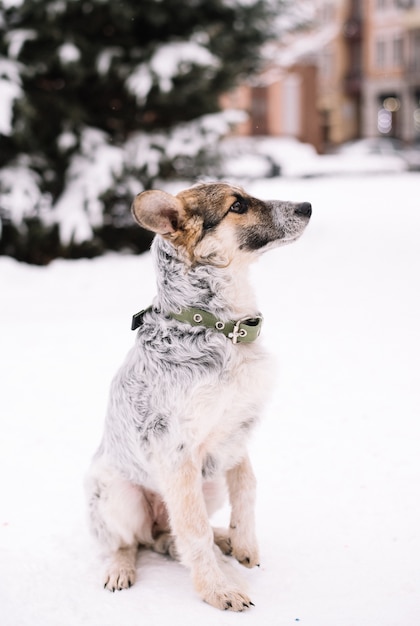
337	456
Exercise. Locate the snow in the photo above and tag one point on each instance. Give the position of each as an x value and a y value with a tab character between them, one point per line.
106	57
253	157
336	455
11	3
299	48
68	53
189	138
79	208
10	89
170	60
176	58
66	141
17	38
21	196
9	93
244	3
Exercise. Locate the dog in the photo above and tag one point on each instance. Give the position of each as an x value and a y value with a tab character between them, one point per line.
184	402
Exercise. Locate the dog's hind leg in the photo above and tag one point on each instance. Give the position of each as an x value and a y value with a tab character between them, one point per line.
241	485
121	520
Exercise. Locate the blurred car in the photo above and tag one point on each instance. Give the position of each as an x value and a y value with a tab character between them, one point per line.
241	158
290	156
386	147
249	158
412	158
264	157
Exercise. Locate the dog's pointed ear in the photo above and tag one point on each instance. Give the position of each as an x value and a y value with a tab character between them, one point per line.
157	211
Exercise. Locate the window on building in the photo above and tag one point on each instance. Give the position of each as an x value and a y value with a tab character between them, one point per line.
416	114
327	65
397	51
380	54
259	110
355	57
415	57
292	105
405	4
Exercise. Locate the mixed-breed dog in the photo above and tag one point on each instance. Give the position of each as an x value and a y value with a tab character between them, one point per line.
185	400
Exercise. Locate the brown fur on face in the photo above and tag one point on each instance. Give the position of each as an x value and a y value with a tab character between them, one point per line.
212	222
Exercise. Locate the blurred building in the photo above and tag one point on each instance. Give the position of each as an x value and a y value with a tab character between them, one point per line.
391	64
353	72
282	102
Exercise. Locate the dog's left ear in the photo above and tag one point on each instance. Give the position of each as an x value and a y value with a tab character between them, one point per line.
157	211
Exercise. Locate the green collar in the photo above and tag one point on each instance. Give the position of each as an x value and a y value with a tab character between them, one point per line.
244	330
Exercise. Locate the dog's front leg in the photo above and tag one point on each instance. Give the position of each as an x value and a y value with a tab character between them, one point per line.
242	486
182	490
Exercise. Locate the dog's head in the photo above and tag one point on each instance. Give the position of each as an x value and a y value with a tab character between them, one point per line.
215	222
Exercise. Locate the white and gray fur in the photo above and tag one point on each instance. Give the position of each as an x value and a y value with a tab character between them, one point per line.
184	402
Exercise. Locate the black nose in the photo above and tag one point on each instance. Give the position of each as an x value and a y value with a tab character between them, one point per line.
304	208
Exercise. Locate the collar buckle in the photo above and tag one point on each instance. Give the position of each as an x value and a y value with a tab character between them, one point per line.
240	333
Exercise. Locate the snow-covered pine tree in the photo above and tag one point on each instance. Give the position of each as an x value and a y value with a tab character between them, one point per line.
103	99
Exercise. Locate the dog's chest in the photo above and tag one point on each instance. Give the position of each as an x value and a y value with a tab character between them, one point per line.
165	405
220	412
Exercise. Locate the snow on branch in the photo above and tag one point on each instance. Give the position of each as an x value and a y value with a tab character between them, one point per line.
20	195
10	90
16	39
169	61
69	53
91	173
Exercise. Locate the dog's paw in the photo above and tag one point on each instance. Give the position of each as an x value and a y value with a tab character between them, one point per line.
246	553
119	578
165	544
231	544
222	540
228	599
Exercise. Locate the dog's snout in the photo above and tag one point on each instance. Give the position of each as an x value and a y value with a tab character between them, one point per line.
304	208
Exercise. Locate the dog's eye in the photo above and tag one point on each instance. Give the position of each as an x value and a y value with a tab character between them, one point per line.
238	206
